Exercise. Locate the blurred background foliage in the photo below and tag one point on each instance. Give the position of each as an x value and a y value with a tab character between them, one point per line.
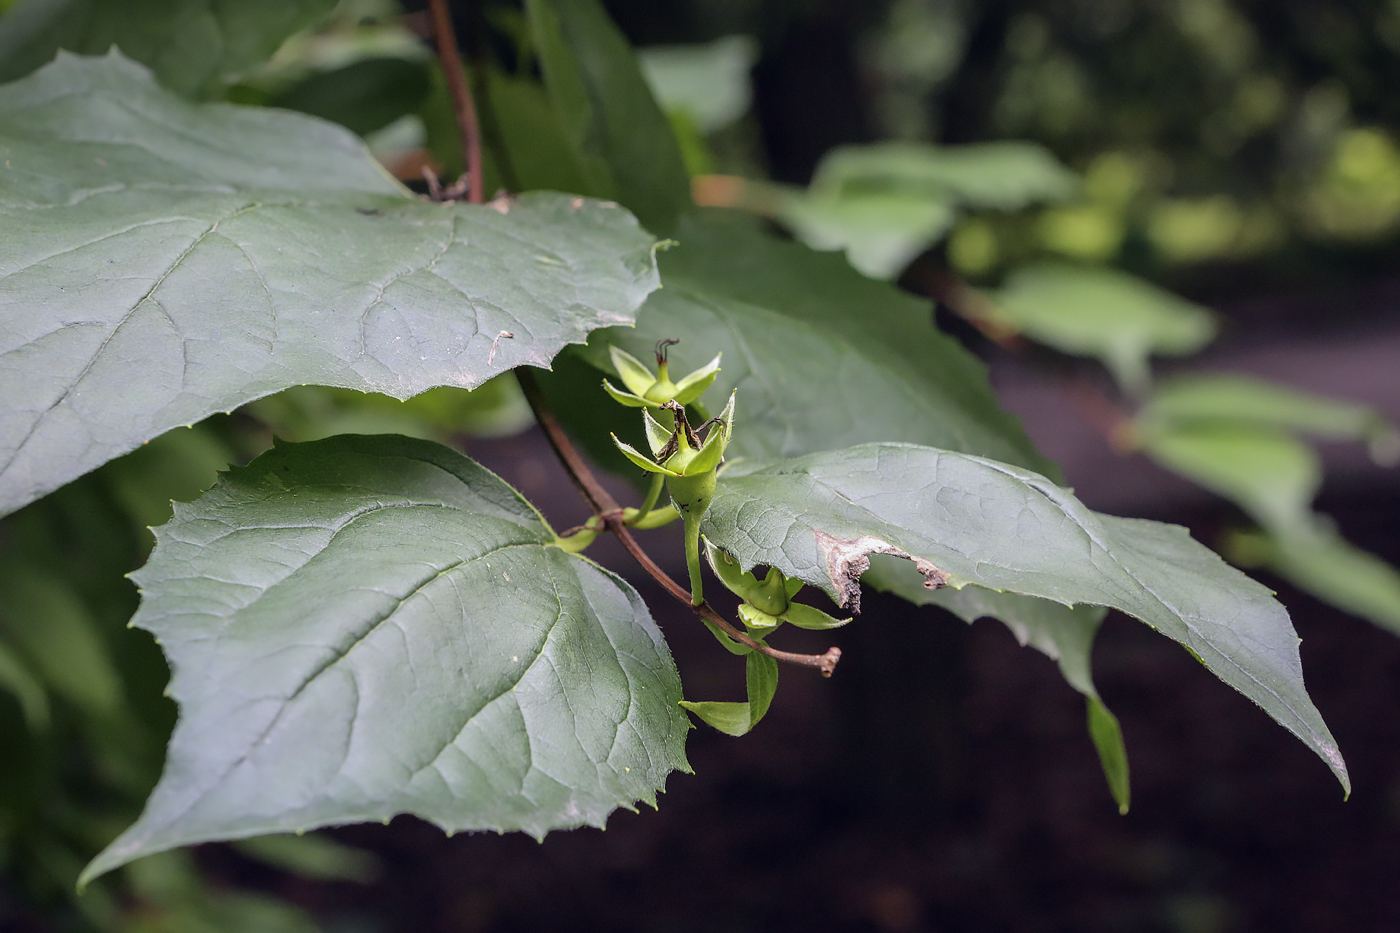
1055	173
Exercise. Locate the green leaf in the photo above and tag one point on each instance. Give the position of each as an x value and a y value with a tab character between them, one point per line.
53	630
1269	473
1110	315
366	626
966	520
1113	755
1325	565
193	46
312	856
825	357
16	678
620	136
880	232
1000	175
363	96
761	679
164	261
708	81
1246	400
1063	633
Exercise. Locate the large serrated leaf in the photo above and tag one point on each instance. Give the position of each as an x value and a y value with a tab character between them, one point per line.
967	520
824	357
191	45
366	626
162	261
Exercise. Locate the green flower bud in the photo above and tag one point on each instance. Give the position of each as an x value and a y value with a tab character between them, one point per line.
648	390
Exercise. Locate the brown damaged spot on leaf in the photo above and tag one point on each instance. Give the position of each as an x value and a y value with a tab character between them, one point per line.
846	560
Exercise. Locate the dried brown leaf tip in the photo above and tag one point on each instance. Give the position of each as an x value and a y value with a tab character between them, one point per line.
847	559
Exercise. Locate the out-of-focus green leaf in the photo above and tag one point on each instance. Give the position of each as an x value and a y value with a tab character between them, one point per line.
1246	400
881	232
177	900
1000	175
192	45
885	204
16	678
1267	472
708	81
311	856
1323	564
967	520
363	96
180	464
53	629
823	357
360	627
1103	313
1063	633
623	141
161	261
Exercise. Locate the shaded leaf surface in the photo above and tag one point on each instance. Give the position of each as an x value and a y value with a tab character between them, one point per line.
967	520
190	44
823	357
623	141
161	261
360	627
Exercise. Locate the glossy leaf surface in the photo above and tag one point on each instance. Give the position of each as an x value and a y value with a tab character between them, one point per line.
366	626
162	261
967	520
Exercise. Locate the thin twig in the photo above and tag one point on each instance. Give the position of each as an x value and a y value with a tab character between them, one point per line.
462	103
607	509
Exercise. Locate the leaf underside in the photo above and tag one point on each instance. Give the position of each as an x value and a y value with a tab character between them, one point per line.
967	520
365	626
162	261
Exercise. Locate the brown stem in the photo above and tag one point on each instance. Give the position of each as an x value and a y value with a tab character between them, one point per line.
606	508
462	104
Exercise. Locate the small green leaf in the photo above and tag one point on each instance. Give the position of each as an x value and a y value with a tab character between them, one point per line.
16	678
1000	175
1102	313
761	678
754	618
193	46
633	373
1269	473
366	626
1240	400
313	855
709	81
619	135
1113	756
966	520
53	629
810	617
880	232
225	253
1324	564
631	453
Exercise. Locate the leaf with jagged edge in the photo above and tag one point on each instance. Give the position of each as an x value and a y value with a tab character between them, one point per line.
823	357
1065	634
191	45
968	520
365	626
161	261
